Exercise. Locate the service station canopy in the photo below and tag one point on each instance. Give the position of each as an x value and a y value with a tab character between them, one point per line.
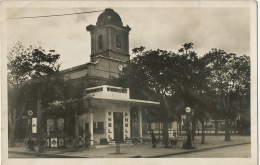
106	95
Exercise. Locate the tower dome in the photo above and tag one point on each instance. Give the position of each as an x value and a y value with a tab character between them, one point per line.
109	16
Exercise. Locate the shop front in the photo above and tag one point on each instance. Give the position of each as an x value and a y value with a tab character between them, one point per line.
104	118
110	121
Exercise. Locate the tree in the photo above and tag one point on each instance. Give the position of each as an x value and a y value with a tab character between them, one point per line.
229	79
74	102
146	79
27	69
162	75
191	86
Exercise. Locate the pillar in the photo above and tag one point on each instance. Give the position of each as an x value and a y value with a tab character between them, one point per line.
91	128
140	123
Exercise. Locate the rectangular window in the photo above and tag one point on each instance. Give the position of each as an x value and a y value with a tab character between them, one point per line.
99	127
93	90
122	90
100	41
118	41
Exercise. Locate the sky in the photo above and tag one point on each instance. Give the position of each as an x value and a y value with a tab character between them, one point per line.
152	27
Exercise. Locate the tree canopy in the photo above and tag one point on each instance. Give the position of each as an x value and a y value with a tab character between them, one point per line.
206	83
229	80
32	62
30	70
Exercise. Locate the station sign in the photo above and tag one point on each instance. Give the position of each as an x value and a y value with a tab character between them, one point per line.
34	125
30	112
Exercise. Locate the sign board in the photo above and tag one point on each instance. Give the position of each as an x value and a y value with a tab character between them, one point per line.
34	125
30	112
54	142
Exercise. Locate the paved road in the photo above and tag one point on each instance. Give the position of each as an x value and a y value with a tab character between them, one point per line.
19	155
241	151
16	155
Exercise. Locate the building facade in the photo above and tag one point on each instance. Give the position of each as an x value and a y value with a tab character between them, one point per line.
109	119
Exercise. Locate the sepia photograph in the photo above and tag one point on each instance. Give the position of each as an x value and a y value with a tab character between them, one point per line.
141	82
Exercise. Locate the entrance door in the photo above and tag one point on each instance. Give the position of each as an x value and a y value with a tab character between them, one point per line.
118	126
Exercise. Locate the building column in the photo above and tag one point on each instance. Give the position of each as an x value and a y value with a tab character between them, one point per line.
140	123
91	128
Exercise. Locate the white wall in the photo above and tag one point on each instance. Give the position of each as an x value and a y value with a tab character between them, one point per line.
102	115
110	94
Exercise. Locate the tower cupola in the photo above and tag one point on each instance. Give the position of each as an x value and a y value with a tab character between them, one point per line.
109	16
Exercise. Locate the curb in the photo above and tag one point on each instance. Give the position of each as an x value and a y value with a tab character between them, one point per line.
193	150
43	155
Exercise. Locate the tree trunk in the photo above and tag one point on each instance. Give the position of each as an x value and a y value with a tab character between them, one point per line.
198	128
165	134
165	108
216	126
12	127
12	103
193	128
227	122
227	129
230	127
202	133
76	134
177	127
39	116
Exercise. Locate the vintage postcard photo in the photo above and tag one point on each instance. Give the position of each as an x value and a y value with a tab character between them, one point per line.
138	82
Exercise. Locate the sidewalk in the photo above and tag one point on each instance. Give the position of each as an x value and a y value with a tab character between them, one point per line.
129	150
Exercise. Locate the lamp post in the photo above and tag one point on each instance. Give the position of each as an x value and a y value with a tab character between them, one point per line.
187	126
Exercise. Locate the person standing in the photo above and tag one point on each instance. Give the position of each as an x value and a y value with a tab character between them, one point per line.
154	140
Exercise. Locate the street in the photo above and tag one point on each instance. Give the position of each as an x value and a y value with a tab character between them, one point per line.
241	151
215	147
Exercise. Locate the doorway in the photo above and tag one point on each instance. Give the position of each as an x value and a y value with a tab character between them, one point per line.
118	127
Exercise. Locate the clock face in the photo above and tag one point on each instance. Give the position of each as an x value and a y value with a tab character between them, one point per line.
120	67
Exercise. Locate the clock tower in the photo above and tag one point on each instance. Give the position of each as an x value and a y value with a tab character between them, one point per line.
109	44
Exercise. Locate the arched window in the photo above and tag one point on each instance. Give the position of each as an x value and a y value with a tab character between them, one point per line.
100	41
118	41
